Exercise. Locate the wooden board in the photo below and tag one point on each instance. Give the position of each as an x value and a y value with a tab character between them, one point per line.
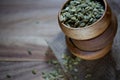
24	20
19	56
23	25
29	18
23	49
23	70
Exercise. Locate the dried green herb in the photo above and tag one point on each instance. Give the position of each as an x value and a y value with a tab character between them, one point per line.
29	52
8	76
69	64
37	22
88	76
81	13
55	74
34	72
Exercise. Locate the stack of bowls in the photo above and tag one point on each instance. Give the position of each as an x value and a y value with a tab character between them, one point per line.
93	41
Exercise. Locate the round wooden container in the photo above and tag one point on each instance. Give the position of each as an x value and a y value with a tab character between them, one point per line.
99	42
93	41
87	55
90	31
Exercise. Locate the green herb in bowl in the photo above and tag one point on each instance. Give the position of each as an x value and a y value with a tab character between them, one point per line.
81	13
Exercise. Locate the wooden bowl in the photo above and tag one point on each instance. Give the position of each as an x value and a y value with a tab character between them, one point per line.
90	31
99	42
87	55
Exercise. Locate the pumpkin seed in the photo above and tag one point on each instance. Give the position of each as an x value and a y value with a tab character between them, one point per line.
85	12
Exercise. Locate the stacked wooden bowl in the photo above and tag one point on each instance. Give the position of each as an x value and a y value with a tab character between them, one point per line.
93	41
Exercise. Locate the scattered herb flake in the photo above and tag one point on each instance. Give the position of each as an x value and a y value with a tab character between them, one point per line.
34	72
8	76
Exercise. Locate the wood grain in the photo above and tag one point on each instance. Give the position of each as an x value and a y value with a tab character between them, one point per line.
23	70
21	19
23	49
24	26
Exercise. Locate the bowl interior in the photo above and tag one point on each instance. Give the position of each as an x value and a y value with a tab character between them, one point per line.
103	2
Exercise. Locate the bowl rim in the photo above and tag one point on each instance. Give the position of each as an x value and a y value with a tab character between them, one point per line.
105	11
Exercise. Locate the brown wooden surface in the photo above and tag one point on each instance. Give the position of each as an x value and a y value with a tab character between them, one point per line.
24	25
23	49
23	20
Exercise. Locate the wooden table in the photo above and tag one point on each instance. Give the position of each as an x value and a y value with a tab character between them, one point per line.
25	25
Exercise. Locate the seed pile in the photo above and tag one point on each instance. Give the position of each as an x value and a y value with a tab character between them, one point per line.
70	62
81	13
57	74
70	65
53	75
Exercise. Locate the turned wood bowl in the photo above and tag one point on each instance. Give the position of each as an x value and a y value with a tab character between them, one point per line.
99	42
91	31
87	55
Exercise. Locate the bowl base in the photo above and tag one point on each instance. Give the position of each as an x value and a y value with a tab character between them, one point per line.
87	55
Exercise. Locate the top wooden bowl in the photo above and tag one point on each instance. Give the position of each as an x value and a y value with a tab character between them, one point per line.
90	31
